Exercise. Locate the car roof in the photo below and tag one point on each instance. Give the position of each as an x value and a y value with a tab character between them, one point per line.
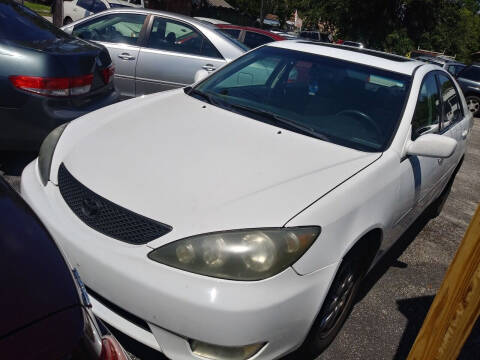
252	29
391	62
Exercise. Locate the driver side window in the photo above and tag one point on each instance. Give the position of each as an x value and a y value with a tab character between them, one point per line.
426	118
113	28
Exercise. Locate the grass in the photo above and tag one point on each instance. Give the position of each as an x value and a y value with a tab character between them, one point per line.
41	9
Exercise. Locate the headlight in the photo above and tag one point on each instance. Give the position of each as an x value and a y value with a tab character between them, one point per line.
46	152
240	254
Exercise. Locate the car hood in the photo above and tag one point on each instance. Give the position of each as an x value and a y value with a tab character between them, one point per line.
200	168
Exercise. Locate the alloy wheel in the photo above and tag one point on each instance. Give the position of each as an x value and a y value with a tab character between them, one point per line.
473	105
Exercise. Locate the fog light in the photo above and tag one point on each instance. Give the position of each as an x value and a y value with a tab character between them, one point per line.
216	352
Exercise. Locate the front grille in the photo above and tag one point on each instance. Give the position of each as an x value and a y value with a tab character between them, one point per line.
106	217
119	311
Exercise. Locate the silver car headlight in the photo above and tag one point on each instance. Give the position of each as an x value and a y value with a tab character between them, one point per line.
46	152
239	254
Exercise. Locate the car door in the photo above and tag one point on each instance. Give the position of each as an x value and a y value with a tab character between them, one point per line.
120	33
174	51
419	175
454	124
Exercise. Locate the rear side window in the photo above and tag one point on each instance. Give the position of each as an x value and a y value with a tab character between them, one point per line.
23	26
253	39
235	33
112	28
452	110
471	73
171	35
426	118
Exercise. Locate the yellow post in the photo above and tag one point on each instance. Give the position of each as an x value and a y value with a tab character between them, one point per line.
456	307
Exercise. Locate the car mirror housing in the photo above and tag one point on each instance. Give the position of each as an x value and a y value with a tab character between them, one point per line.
432	145
200	75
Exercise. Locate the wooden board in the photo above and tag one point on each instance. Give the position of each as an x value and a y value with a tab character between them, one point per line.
456	307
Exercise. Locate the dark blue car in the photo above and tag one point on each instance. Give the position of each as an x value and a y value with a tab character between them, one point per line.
44	308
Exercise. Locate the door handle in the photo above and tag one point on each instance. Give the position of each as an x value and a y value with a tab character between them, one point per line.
464	134
440	161
209	67
126	56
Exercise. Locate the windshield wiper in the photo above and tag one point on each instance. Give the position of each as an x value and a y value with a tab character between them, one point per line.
281	120
201	94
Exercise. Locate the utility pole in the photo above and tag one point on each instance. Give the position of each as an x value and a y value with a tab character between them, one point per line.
57	13
261	14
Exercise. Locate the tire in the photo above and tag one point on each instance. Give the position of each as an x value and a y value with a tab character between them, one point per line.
67	21
473	104
337	305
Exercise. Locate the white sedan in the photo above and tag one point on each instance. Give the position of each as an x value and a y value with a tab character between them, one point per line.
235	219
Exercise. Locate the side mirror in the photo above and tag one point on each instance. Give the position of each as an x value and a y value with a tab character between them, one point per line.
68	29
200	75
432	145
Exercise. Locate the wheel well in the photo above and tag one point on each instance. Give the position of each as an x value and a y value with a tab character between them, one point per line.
471	93
367	246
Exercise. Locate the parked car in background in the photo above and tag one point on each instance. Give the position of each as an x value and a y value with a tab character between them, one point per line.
155	51
353	44
452	66
469	80
47	77
210	20
286	35
316	36
264	196
250	36
45	309
74	10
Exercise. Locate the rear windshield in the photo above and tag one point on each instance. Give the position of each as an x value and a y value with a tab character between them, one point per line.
21	25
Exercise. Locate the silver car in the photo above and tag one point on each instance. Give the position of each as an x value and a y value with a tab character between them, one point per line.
154	50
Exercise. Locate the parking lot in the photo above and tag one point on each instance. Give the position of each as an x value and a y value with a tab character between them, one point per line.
395	297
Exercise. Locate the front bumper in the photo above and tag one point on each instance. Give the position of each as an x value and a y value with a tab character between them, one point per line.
177	305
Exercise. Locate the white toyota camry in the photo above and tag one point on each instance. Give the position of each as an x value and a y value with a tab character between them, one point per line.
235	219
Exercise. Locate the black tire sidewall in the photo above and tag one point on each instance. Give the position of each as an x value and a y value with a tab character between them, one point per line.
314	345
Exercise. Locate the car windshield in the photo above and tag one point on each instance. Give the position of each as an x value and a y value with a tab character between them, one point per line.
334	100
232	40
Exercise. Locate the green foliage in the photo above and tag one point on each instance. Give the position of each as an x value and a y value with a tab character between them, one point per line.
397	26
43	10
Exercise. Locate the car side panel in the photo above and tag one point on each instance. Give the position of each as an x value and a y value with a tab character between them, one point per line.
159	70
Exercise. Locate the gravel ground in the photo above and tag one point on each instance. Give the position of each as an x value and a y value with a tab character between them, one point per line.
396	295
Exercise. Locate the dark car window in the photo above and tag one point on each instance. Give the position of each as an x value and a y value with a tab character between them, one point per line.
98	6
171	35
253	39
470	73
426	118
113	28
232	32
85	4
23	26
231	39
338	101
452	109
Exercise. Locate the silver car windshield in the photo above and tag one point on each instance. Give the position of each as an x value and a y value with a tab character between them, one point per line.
334	100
